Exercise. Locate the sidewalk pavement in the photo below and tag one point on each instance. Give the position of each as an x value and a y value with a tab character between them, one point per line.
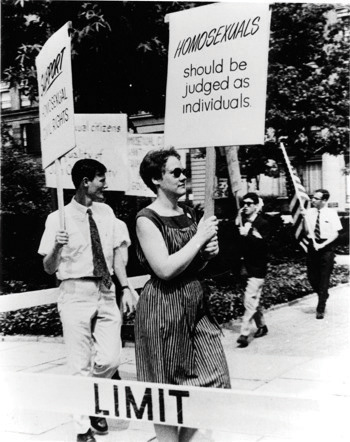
299	357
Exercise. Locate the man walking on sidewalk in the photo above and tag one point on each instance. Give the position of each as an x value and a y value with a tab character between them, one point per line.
254	232
325	224
84	254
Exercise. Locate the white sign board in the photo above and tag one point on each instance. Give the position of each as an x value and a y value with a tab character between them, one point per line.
102	137
56	106
217	74
138	147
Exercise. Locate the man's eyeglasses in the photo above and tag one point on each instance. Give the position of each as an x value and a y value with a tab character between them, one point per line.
247	203
177	172
315	198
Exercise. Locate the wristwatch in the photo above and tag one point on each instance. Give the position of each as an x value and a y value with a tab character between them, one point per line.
125	287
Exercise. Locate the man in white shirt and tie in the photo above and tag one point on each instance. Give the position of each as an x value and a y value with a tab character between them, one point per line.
92	246
323	226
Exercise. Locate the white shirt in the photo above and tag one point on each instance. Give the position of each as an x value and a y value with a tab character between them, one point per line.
329	221
76	257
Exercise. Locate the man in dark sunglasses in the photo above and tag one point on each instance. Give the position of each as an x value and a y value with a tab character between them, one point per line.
254	230
325	225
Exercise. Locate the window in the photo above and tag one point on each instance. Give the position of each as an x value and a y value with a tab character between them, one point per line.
312	176
30	134
25	102
6	100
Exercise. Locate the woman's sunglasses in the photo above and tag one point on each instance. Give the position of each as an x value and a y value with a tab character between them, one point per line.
178	171
247	203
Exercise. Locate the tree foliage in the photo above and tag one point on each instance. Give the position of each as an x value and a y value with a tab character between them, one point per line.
120	65
23	188
119	50
308	86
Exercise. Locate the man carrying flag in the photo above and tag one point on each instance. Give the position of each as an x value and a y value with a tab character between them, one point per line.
316	230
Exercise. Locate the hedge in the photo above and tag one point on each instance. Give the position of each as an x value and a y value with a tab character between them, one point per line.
285	282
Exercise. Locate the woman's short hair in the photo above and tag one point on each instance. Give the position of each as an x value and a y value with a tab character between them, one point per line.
153	165
86	168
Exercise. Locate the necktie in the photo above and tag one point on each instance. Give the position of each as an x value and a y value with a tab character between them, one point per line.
317	227
98	258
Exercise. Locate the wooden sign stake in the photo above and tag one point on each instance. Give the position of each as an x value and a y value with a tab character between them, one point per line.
60	193
210	162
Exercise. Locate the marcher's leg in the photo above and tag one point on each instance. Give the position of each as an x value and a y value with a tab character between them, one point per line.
259	316
326	267
77	306
106	334
313	269
251	302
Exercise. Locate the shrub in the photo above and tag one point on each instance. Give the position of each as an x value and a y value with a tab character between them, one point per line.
43	320
285	281
342	247
23	180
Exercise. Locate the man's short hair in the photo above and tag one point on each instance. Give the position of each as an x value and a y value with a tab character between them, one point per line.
251	195
86	168
325	194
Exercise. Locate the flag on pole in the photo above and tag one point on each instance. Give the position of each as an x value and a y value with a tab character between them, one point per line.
298	198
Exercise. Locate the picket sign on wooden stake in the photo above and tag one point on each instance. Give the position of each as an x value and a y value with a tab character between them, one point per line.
231	153
210	162
239	215
60	193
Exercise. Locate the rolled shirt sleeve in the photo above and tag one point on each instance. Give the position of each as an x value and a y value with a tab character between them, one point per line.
121	238
48	239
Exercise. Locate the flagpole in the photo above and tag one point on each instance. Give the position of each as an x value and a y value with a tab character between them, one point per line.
286	159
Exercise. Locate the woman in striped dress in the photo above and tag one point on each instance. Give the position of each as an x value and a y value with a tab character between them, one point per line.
176	342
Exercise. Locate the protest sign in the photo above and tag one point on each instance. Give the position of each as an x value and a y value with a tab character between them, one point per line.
217	73
56	109
138	146
102	137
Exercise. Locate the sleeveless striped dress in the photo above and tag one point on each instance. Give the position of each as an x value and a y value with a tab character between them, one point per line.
176	342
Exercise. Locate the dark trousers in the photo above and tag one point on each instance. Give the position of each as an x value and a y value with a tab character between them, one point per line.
319	269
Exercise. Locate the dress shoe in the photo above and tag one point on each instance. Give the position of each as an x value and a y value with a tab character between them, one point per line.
243	341
261	331
319	315
99	424
86	437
